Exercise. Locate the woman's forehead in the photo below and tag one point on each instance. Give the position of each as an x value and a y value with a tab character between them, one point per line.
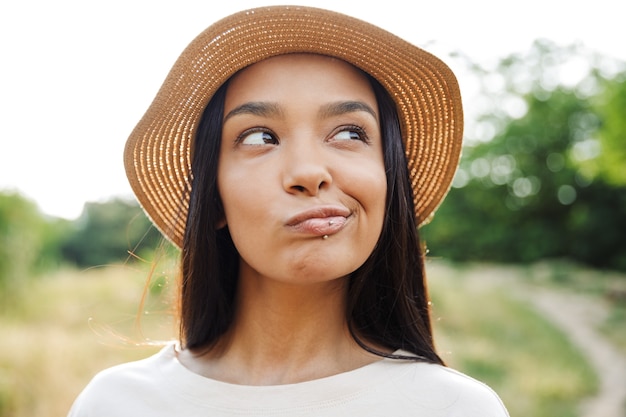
308	77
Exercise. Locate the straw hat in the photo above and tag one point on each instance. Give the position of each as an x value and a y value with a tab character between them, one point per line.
158	152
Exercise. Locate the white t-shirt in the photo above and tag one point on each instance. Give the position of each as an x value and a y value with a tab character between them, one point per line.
160	386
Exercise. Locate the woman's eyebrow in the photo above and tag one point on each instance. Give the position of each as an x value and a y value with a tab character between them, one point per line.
257	108
342	107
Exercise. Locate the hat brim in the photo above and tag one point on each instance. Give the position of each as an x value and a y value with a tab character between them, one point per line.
157	156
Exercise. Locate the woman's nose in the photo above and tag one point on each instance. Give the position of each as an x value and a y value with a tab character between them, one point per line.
306	170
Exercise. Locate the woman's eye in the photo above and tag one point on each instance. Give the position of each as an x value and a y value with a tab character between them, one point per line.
258	137
351	133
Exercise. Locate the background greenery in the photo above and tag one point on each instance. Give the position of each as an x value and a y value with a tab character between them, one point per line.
548	179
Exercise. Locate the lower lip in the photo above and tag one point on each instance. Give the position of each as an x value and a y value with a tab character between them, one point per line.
320	226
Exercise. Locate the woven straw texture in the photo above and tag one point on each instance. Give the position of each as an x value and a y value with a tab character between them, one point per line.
158	152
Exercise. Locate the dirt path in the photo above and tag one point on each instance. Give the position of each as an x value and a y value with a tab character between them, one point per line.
578	317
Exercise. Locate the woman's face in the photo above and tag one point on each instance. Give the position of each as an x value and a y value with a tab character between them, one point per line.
301	173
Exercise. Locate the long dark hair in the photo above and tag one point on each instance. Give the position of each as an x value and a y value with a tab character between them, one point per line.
387	301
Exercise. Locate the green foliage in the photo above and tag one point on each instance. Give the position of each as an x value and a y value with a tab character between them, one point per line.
108	232
611	107
22	235
528	193
31	243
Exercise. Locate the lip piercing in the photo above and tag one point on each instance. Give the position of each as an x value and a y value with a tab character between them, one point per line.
325	237
330	222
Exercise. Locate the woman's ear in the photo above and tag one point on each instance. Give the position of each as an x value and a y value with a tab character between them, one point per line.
221	223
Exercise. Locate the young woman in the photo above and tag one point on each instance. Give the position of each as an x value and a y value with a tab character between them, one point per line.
292	154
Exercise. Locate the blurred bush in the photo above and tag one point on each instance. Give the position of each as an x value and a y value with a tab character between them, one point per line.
31	243
27	240
109	232
550	180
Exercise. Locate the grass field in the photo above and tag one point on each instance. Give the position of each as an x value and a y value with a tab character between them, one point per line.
487	331
58	331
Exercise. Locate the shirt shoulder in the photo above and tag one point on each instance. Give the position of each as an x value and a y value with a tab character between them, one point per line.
438	388
114	391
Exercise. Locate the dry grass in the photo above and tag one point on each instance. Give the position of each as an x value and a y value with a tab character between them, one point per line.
63	329
67	327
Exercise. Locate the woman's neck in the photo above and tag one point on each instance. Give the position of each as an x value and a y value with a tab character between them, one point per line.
284	333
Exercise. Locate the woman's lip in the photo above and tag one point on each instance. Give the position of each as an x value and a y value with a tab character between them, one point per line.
320	221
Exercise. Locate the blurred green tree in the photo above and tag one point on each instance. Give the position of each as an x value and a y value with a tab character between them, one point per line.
611	109
109	232
534	189
26	241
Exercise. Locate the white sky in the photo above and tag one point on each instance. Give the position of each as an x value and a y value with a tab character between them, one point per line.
75	76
